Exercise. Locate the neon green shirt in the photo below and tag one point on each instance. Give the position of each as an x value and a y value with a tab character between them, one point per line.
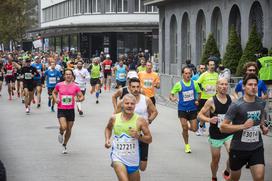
141	68
177	87
208	82
121	126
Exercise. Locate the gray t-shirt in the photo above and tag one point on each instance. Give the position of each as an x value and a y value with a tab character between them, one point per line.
238	113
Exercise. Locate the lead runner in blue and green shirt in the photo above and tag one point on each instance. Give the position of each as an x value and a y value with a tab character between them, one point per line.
187	104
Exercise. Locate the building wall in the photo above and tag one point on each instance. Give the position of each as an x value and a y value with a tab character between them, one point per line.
212	9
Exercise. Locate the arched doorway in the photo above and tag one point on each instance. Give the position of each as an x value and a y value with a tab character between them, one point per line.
200	34
185	38
173	39
216	27
256	18
235	19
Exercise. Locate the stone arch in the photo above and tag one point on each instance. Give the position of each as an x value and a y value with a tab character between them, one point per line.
216	26
185	38
235	19
256	17
163	45
200	34
173	39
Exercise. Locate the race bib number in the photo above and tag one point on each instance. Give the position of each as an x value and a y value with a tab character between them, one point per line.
107	67
188	95
122	76
126	146
28	76
148	83
52	80
210	89
66	100
220	119
9	72
251	135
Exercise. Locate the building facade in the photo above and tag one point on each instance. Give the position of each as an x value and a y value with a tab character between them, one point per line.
185	25
91	26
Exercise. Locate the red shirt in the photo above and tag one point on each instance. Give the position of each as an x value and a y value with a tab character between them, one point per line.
107	65
9	70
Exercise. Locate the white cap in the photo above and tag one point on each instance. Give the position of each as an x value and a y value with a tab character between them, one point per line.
107	56
132	74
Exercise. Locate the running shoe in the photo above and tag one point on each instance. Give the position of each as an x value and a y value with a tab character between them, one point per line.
9	98
12	93
60	138
200	132
188	148
214	179
97	102
80	113
38	105
105	88
226	175
18	94
23	101
64	150
27	110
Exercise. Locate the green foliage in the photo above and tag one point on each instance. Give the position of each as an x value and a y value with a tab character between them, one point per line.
210	49
253	45
16	16
233	51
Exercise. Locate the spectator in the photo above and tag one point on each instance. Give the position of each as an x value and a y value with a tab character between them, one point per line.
224	72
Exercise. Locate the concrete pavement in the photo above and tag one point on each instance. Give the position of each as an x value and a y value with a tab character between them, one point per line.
30	150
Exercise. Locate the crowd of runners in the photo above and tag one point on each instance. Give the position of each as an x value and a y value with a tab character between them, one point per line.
236	121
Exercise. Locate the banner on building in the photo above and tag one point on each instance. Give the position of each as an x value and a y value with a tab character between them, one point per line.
37	44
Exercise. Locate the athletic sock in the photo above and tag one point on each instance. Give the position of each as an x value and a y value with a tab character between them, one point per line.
97	94
79	105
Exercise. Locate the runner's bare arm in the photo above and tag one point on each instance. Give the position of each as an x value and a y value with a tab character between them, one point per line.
173	98
202	115
264	96
119	107
80	96
114	97
146	137
108	132
235	95
227	127
152	110
263	126
55	95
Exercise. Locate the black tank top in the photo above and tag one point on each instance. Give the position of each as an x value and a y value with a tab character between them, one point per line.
220	111
124	92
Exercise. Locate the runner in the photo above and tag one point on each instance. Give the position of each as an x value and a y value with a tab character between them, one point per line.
144	108
107	66
251	67
207	82
28	83
82	76
217	107
95	70
10	75
64	95
149	81
2	72
120	72
19	79
187	104
127	126
52	76
245	119
142	66
38	79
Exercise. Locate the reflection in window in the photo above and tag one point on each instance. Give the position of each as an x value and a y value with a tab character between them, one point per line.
110	6
139	6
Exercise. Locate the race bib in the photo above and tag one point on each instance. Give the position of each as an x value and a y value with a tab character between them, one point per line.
66	100
251	135
107	67
220	119
28	76
126	146
52	80
210	89
188	95
9	72
148	83
122	76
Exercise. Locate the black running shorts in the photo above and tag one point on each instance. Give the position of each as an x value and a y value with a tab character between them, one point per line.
69	114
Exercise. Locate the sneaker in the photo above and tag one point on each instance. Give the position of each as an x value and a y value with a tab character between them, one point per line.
33	101
38	105
188	148
9	98
199	132
18	94
80	113
97	102
214	179
49	102
23	101
226	175
105	88
60	138
64	150
27	110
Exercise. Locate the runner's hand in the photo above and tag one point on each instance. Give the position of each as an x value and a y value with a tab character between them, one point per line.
265	130
214	120
107	144
248	124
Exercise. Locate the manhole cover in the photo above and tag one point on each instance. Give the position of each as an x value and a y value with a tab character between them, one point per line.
52	127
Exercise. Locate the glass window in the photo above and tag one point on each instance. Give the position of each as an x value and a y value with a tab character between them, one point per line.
96	4
58	44
111	6
65	45
122	5
152	9
139	6
73	41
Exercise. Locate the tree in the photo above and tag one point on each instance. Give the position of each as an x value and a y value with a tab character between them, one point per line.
16	16
253	45
234	51
210	49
